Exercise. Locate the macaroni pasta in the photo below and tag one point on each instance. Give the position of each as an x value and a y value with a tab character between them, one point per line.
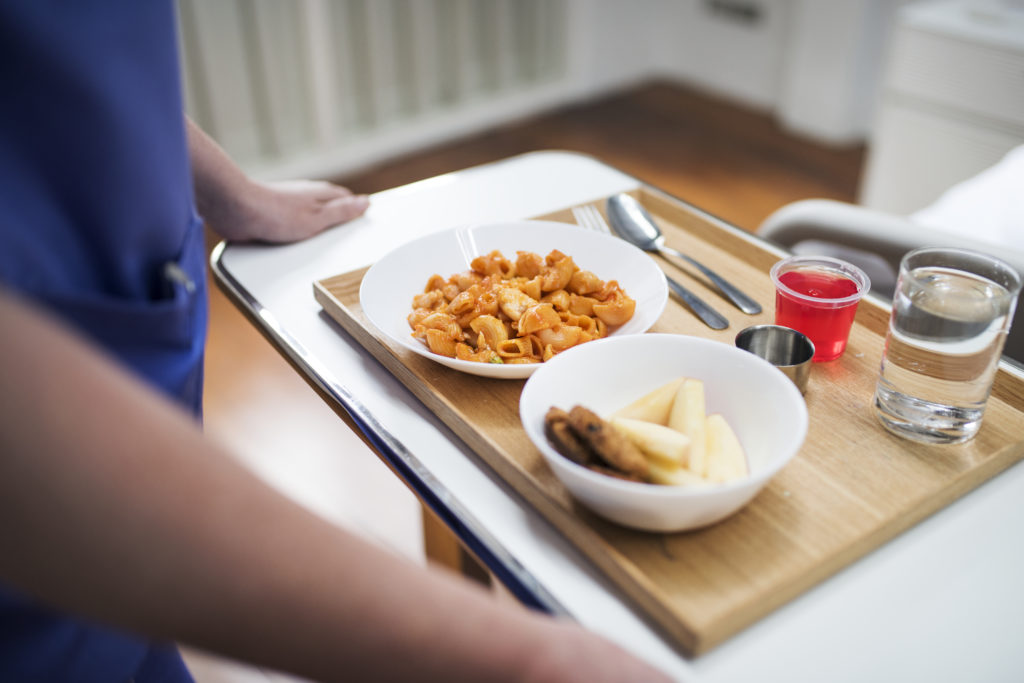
524	311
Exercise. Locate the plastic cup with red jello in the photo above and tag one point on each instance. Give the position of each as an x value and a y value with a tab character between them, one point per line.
818	296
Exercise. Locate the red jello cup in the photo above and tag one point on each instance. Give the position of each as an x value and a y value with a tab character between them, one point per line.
818	295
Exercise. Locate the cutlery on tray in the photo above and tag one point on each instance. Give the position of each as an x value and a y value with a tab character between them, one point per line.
633	223
588	217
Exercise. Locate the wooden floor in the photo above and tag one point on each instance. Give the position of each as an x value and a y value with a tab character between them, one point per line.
731	161
728	160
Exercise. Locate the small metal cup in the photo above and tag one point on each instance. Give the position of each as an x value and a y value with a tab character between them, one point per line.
785	348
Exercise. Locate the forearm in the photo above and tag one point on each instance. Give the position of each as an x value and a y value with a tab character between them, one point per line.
221	187
113	505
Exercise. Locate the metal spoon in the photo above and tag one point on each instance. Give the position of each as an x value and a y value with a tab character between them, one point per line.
630	219
708	315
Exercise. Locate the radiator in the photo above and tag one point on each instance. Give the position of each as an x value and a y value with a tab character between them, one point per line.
317	88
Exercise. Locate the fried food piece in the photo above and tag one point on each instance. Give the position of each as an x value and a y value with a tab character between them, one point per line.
607	442
565	440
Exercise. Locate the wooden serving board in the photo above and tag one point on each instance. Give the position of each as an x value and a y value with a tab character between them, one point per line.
851	487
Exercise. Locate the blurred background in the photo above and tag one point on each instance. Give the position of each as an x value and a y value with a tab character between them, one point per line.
737	106
330	88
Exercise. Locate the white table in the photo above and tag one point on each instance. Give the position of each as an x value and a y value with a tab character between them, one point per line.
942	602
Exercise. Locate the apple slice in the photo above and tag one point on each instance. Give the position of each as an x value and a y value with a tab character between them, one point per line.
725	458
687	416
676	476
663	446
654	406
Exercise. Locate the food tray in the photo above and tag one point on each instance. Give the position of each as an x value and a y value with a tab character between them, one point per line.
852	486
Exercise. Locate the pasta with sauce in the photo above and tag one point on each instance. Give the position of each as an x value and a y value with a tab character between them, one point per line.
524	311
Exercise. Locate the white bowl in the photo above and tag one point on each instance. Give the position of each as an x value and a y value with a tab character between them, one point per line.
389	285
760	403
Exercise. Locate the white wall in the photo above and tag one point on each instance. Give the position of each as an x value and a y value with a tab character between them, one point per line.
951	102
609	44
737	58
292	89
814	63
832	67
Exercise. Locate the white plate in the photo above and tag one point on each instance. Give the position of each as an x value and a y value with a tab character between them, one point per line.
391	283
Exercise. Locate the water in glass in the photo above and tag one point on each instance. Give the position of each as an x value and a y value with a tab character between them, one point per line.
945	337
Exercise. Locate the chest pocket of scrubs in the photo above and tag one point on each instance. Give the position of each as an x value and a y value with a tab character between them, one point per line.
161	340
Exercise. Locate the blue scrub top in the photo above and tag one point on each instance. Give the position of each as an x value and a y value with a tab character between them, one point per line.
98	226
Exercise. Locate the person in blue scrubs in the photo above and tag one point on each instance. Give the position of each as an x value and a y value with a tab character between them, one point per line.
100	229
116	517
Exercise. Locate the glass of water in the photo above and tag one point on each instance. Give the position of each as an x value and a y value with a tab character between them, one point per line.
950	315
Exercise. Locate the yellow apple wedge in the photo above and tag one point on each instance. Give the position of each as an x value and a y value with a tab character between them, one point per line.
663	446
676	476
654	406
687	416
725	458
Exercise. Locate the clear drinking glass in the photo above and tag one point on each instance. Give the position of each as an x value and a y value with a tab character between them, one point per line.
950	315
